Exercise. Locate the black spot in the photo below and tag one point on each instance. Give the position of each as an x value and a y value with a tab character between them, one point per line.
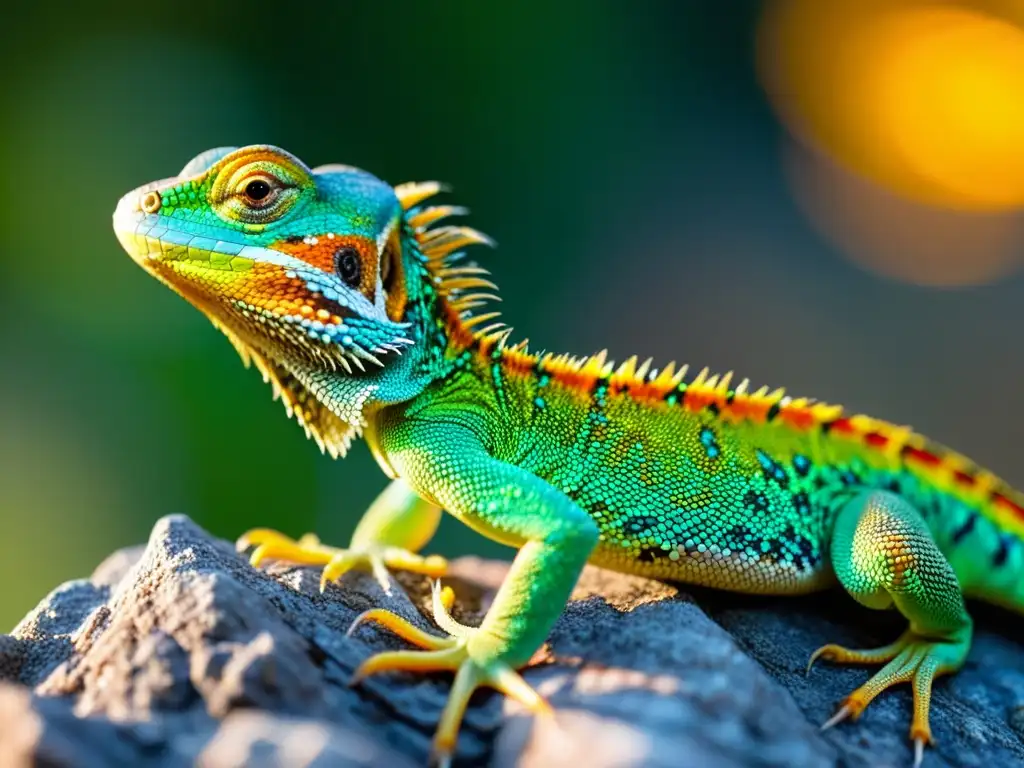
742	535
756	501
808	553
795	548
802	503
999	558
650	554
772	412
707	439
847	477
713	408
966	528
772	469
801	464
293	239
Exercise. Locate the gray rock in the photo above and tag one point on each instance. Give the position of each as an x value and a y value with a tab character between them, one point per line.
181	654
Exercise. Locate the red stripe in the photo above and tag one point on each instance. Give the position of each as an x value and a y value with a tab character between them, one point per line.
876	439
841	425
921	455
999	500
963	478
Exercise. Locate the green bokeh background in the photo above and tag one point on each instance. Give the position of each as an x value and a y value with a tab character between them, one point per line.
622	155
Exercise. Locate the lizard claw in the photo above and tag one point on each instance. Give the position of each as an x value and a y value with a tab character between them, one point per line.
844	713
919	743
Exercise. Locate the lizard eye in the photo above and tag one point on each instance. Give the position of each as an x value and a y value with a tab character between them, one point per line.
259	192
257	189
348	266
257	186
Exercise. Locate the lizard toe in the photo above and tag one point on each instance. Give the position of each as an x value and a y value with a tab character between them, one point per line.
913	659
457	653
268	544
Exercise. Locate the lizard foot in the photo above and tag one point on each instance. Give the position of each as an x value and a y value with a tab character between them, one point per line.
307	550
461	652
913	659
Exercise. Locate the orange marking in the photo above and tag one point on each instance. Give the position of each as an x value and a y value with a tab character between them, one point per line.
321	255
697	400
754	410
648	391
518	364
460	336
798	418
485	348
576	380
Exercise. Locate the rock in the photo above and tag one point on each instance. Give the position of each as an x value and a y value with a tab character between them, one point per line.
182	654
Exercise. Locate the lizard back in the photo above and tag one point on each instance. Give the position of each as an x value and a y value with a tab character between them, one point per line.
702	481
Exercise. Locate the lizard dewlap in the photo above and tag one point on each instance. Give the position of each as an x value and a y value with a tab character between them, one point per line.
354	301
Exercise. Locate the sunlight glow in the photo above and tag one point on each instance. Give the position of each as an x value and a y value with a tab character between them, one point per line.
925	99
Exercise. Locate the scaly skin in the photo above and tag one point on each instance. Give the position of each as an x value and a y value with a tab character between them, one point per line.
354	304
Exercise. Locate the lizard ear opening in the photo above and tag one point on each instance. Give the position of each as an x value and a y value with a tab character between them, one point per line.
392	277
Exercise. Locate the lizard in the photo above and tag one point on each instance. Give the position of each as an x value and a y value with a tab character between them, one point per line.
355	300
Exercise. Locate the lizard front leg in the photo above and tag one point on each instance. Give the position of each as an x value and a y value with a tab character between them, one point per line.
554	535
885	556
395	527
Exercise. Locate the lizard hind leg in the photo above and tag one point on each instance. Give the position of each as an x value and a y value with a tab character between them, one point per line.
885	557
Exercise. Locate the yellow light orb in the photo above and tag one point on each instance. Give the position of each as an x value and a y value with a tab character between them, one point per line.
925	99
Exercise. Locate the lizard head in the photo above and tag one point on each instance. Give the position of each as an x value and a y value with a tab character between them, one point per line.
321	277
302	265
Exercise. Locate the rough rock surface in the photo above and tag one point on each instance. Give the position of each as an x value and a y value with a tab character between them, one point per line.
181	654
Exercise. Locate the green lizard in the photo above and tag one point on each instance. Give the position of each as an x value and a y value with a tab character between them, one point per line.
355	304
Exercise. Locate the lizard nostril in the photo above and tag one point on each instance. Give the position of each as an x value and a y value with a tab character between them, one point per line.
150	202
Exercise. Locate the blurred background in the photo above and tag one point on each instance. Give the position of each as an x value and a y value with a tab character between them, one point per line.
820	194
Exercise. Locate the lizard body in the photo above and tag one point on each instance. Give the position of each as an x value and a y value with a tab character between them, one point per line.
353	301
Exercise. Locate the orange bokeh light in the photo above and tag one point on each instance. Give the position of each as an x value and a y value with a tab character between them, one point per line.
925	99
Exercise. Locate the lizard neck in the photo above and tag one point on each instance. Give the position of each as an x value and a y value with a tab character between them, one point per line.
440	337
